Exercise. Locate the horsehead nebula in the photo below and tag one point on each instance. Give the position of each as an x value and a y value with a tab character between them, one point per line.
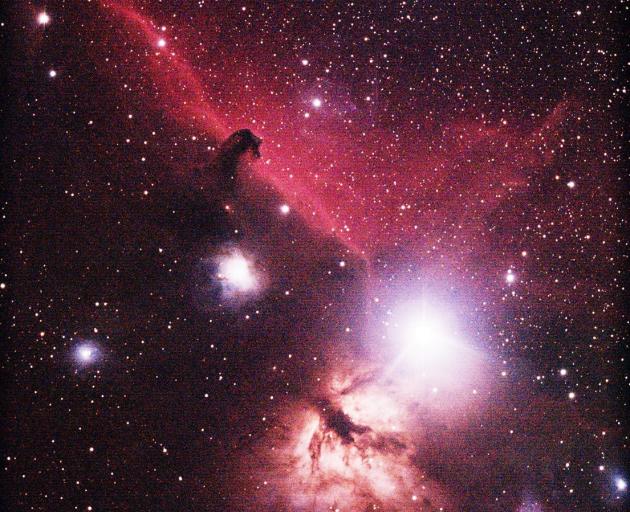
314	256
303	164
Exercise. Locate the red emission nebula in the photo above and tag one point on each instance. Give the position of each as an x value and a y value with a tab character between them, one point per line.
314	256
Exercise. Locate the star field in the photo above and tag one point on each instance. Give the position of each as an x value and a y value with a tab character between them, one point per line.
408	297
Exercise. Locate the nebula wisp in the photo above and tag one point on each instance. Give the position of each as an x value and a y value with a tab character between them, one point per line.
355	445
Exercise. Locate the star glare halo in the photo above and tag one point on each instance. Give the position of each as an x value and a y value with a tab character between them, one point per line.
425	343
425	334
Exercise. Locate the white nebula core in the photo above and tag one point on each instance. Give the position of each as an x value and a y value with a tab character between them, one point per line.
237	274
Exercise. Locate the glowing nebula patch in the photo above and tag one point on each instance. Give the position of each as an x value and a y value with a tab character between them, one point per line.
354	450
237	274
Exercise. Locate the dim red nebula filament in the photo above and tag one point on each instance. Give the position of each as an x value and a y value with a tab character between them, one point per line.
180	91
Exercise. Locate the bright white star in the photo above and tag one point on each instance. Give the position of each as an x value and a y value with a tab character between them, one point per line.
284	209
426	336
43	18
316	102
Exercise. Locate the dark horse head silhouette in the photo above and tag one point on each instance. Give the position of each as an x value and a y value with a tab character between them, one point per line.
228	158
